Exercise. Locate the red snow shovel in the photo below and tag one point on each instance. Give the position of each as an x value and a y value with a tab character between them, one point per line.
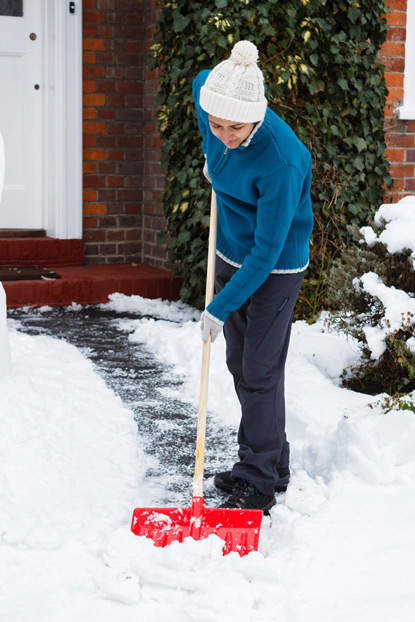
238	528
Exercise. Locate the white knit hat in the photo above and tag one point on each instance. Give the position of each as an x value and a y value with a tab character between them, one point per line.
234	89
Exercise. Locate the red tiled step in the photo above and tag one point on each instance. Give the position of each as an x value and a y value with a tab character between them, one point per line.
40	251
92	285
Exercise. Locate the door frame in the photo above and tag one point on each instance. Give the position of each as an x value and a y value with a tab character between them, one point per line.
62	119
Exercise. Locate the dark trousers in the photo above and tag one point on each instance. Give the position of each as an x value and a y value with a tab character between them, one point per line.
257	337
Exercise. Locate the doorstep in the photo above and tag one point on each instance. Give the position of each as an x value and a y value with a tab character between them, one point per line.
92	284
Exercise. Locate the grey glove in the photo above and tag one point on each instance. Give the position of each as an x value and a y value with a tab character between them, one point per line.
210	324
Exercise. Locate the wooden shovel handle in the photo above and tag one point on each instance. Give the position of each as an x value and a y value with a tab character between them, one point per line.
204	379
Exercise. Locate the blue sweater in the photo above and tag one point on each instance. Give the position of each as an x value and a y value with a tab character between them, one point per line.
264	208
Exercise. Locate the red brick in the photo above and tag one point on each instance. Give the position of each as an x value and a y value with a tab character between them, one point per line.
96	99
105	58
89	222
90	140
106	5
393	64
400	140
94	181
410	126
134	46
88	57
114	100
410	155
129	87
115	182
402	170
397	5
115	154
94	71
89	113
93	235
89	30
89	86
395	94
89	168
107	114
96	17
106	86
395	155
396	18
393	49
107	168
89	195
396	34
94	44
410	185
94	208
94	128
94	154
394	79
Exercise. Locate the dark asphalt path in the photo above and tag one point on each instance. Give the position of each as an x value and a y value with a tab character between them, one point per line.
166	426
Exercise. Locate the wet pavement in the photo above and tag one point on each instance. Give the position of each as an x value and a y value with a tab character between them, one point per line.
166	426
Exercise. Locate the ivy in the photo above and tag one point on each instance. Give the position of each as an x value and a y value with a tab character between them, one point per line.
319	59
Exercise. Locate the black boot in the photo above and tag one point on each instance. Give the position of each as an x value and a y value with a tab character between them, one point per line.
246	497
224	481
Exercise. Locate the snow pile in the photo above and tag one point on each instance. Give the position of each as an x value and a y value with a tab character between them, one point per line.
70	461
158	308
399	231
5	361
5	357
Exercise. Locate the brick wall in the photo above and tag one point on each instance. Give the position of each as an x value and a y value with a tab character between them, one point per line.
122	175
400	135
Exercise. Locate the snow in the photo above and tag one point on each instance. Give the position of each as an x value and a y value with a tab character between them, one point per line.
5	361
399	231
5	356
339	545
398	235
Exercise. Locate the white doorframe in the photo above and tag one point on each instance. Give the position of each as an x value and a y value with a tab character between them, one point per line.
62	121
407	110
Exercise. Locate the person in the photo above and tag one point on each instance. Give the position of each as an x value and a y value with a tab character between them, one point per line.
261	174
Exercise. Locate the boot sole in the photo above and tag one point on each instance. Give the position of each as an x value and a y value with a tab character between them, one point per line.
225	483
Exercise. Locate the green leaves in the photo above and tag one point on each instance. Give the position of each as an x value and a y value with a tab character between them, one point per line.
322	76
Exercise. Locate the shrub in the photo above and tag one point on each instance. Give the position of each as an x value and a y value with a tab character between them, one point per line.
371	294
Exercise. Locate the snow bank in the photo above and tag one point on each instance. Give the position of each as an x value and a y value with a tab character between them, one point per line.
70	463
5	361
158	308
5	357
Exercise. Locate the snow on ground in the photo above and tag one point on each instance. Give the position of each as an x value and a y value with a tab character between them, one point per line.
339	545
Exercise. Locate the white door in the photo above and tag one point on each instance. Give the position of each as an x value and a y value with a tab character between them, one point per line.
22	88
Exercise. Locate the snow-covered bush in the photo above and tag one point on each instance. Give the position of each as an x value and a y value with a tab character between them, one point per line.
372	292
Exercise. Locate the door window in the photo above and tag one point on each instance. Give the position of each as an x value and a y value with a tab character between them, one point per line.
13	8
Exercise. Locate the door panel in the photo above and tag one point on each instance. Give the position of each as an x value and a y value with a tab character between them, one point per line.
21	113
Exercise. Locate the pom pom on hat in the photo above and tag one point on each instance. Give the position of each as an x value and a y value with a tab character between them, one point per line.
234	89
244	53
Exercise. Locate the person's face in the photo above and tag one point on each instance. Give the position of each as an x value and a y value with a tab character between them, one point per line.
232	134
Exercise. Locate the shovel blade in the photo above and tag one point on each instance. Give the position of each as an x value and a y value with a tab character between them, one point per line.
238	528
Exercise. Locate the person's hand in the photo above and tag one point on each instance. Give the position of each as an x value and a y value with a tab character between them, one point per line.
209	324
